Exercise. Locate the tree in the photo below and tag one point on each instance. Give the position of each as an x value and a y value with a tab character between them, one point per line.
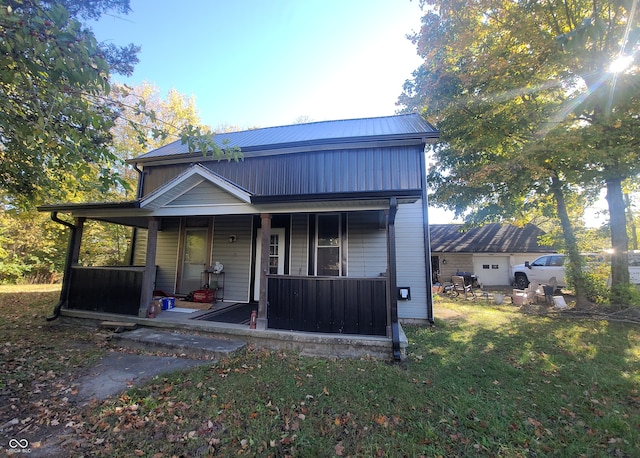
56	108
503	94
33	248
136	131
594	38
52	76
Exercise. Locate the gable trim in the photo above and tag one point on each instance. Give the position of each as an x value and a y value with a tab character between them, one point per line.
185	182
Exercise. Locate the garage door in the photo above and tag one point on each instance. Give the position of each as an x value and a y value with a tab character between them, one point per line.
491	270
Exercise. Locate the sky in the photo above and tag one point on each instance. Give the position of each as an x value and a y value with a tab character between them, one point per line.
257	63
264	63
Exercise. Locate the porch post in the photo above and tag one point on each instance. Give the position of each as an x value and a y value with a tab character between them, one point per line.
264	268
148	276
75	249
392	281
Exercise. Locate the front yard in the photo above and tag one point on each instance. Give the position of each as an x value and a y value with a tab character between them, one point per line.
487	381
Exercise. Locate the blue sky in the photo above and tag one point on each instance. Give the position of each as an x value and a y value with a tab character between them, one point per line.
252	63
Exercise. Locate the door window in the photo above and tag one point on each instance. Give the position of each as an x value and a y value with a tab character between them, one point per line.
194	259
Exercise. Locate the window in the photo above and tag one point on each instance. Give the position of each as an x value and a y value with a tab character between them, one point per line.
542	261
556	261
328	245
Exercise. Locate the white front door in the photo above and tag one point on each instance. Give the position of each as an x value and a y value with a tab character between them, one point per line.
194	260
276	257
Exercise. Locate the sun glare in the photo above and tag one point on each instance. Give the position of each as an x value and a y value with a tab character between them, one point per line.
620	64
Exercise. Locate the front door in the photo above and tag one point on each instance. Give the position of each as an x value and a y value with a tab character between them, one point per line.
276	257
194	260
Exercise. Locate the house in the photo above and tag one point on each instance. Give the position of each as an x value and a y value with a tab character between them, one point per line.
488	251
323	226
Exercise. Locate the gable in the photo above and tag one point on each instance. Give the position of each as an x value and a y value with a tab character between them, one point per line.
196	187
204	193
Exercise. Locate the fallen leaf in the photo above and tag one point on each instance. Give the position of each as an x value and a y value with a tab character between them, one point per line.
339	449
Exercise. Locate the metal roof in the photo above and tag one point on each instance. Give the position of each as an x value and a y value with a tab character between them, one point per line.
490	238
400	127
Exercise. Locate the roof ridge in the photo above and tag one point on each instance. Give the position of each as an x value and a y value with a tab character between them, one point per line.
326	121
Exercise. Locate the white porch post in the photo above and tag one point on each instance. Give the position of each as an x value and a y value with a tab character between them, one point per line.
148	277
264	269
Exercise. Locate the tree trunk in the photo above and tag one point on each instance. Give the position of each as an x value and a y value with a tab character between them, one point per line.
619	238
631	222
575	261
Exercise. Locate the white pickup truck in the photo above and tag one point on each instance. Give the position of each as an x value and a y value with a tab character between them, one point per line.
546	270
549	270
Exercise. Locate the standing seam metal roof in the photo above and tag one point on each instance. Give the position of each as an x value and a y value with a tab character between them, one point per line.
400	126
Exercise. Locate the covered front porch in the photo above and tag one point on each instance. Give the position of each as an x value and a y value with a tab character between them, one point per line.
293	311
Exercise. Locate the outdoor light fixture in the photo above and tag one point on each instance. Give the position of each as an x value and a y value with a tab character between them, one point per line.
444	261
232	239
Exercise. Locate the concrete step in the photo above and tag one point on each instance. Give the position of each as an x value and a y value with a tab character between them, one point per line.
172	342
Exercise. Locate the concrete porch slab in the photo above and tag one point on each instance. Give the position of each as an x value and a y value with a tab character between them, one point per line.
306	343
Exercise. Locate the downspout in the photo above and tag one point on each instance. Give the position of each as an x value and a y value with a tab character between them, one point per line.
66	277
134	232
393	285
427	242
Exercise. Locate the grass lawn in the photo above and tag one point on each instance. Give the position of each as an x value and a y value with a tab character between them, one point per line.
491	382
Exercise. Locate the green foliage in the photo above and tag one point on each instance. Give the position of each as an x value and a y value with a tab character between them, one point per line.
527	109
32	247
596	286
56	107
625	294
52	75
105	244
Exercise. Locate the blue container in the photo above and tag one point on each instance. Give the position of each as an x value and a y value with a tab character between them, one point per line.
168	303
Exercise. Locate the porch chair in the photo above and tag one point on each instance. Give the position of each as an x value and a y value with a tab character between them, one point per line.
460	286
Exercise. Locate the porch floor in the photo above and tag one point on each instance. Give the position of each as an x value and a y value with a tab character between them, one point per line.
183	319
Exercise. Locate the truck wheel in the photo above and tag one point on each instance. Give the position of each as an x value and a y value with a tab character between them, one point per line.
521	281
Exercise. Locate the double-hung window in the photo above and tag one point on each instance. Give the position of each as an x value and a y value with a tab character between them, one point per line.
328	245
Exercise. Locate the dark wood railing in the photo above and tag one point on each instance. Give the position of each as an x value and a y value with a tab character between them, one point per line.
106	289
328	304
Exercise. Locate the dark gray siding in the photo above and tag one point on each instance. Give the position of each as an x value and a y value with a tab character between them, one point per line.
319	172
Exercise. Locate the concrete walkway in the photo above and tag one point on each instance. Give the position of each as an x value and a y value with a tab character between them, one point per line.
118	371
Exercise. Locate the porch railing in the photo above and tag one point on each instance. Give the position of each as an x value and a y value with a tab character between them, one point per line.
106	289
328	304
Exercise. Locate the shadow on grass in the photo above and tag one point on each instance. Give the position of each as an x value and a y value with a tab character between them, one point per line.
510	383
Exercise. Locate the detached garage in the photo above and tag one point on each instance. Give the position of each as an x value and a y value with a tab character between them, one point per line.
488	251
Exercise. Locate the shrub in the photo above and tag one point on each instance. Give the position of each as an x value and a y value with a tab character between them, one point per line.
626	294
